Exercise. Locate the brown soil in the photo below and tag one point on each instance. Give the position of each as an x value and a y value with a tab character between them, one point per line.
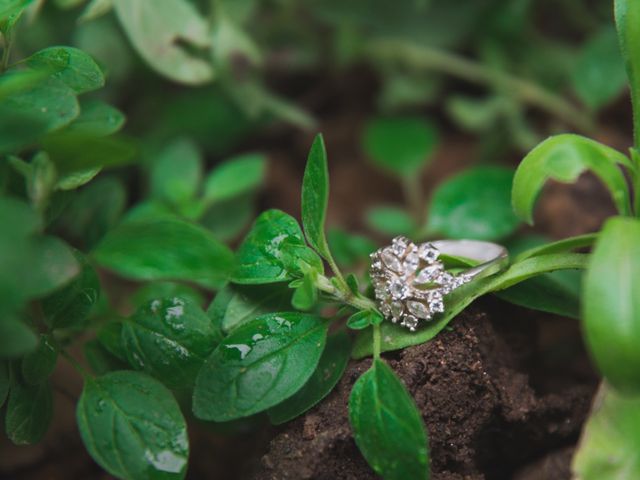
491	401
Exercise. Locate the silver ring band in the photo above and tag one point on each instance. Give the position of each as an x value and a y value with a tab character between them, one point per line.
410	280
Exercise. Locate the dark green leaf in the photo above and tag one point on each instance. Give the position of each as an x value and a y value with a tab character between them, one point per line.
100	359
5	380
29	413
72	305
39	364
474	204
165	249
611	303
69	66
401	145
329	371
607	447
16	339
170	340
387	425
627	14
132	427
564	158
97	119
110	337
177	172
599	75
271	250
259	365
155	290
390	221
237	176
228	219
315	197
363	319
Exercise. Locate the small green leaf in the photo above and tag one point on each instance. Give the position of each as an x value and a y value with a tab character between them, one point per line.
11	7
611	303
387	425
95	9
332	365
271	251
607	448
352	283
235	177
599	75
360	320
77	179
29	413
400	145
16	339
165	249
39	364
390	221
100	359
627	13
315	197
474	204
176	173
154	290
564	158
305	296
70	66
170	340
72	305
259	365
159	34
97	119
132	427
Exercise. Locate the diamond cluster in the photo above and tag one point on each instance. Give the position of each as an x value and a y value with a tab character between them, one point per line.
410	282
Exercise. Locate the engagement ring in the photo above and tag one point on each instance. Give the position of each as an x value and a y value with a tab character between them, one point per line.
410	280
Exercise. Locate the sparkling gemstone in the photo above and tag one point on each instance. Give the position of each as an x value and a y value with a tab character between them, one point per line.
411	262
391	260
410	322
436	304
428	252
429	274
418	309
399	245
397	310
398	289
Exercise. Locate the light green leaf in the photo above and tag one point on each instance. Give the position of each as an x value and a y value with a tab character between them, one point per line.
474	204
77	179
387	425
11	7
176	173
564	245
390	220
363	319
611	303
627	13
607	448
70	66
39	364
170	340
305	296
132	427
564	158
400	145
29	413
97	119
235	177
315	197
272	251
332	365
96	9
259	365
165	249
158	33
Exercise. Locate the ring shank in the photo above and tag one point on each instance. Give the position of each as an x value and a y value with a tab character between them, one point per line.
493	257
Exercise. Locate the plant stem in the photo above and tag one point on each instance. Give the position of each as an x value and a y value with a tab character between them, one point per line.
75	364
377	342
344	294
6	52
428	58
413	195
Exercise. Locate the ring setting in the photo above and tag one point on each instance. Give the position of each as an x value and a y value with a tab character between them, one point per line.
410	281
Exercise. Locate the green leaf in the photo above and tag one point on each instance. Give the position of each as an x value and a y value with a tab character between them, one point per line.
165	249
16	339
100	359
564	245
305	296
170	340
74	180
110	337
39	364
177	172
97	119
390	221
400	145
29	413
259	365
611	303
331	366
272	251
159	34
564	158
627	15
12	7
5	380
607	446
474	204
228	219
395	337
315	197
349	249
154	290
387	425
72	305
69	66
95	9
363	319
599	75
132	427
235	177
